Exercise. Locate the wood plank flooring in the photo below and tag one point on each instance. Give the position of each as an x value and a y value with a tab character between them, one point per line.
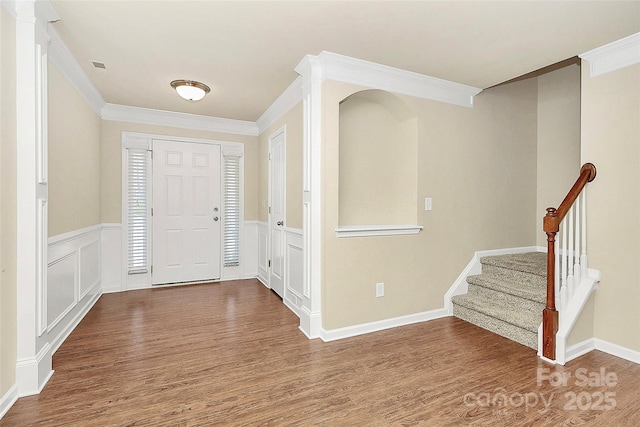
230	353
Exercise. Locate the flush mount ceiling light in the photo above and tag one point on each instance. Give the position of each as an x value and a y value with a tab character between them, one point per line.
190	90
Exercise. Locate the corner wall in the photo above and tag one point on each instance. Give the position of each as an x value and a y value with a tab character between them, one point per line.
558	155
610	140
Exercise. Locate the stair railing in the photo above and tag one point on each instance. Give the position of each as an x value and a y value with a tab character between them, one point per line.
567	265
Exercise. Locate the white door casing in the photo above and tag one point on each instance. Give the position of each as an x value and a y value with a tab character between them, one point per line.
277	207
186	212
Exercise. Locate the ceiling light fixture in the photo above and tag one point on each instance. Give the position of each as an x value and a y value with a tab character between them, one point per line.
190	90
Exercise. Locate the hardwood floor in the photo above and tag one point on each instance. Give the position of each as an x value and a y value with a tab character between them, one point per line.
230	353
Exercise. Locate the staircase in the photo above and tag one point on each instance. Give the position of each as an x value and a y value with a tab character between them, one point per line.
508	297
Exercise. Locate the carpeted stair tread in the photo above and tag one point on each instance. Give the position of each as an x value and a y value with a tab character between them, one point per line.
521	317
507	330
530	262
508	297
527	290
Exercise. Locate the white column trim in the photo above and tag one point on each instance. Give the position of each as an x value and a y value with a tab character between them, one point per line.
310	314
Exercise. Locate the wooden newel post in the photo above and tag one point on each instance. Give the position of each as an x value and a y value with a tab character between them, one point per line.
550	314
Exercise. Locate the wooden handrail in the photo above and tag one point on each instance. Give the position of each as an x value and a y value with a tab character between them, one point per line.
551	226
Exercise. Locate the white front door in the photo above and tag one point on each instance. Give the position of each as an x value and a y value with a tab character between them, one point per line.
186	212
276	219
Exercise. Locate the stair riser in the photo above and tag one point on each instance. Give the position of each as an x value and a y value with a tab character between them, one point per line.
507	330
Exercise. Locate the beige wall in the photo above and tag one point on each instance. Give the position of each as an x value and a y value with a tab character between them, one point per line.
381	190
610	140
558	139
478	165
111	164
293	122
74	158
8	246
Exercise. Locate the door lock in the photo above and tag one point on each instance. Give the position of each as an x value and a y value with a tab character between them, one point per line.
215	218
280	223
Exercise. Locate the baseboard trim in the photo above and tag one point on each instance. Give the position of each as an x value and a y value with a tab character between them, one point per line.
588	345
580	349
263	281
617	350
7	401
32	374
380	325
310	323
64	334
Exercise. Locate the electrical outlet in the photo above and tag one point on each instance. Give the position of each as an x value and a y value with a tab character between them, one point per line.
379	290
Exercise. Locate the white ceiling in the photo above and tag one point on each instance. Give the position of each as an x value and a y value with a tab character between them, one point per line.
247	51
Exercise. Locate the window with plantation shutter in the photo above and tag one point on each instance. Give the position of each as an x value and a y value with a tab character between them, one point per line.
231	231
137	209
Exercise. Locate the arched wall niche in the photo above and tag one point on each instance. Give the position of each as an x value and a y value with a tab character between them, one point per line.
378	160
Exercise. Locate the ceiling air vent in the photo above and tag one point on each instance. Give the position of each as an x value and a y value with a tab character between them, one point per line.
99	65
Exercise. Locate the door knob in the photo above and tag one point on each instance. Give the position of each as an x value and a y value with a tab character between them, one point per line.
280	222
215	218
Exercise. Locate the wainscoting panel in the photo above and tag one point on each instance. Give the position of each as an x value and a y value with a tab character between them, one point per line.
61	289
73	282
89	267
263	253
293	270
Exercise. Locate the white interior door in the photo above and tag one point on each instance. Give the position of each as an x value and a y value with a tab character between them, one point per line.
276	219
186	212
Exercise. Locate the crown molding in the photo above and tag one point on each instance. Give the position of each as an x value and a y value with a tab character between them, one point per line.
61	57
149	116
356	71
613	56
288	99
10	7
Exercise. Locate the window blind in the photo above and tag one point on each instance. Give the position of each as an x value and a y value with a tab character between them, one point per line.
137	218
231	232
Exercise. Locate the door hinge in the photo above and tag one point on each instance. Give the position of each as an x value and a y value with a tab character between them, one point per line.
152	269
151	211
269	263
269	209
269	156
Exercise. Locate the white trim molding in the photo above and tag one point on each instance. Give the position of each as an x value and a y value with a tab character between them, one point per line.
377	76
293	265
63	59
263	253
7	401
380	325
588	345
377	230
33	373
613	56
291	96
148	116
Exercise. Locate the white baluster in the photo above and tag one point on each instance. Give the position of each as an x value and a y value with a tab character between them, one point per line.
583	257
564	256
578	234
570	255
557	275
